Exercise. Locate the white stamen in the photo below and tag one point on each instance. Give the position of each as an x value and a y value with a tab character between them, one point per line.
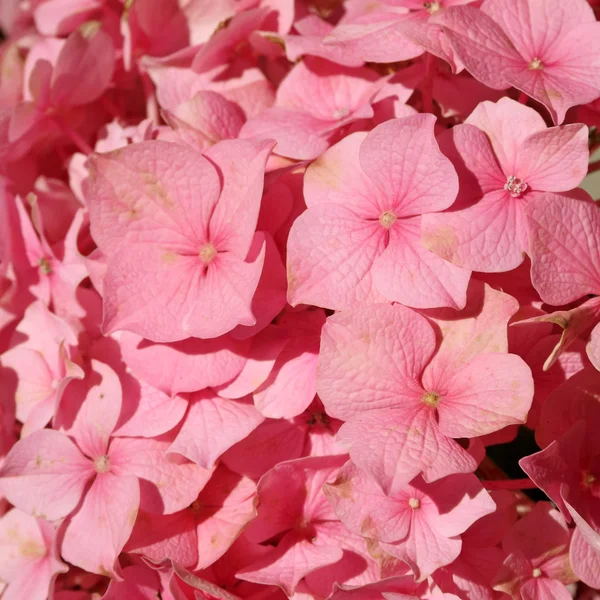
515	186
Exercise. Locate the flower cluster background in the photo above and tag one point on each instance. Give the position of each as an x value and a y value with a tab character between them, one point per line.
299	299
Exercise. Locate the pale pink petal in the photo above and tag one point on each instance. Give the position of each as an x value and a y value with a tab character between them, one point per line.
99	412
213	425
425	550
404	162
58	17
394	446
460	500
241	166
337	176
491	392
481	327
185	366
365	509
372	358
488	236
190	301
211	117
554	160
544	588
409	273
299	135
26	377
263	353
45	475
483	47
294	558
109	510
565	258
227	505
331	251
543	22
292	384
585	560
27	560
167	483
376	38
147	412
507	124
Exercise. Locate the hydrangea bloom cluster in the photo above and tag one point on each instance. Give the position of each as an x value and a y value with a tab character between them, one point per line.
288	289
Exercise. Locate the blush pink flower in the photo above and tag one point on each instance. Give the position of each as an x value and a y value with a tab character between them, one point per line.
359	240
29	559
505	156
40	366
537	565
395	30
404	396
316	99
419	523
99	480
294	512
198	535
171	221
545	48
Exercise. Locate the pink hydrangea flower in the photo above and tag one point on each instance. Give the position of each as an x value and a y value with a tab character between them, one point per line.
156	234
505	156
359	240
99	480
537	565
419	523
404	396
29	560
545	48
302	127
293	508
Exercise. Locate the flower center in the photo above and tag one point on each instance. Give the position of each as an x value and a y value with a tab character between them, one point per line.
536	572
387	219
340	113
45	266
515	186
414	503
536	64
431	399
432	7
207	253
102	464
589	479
